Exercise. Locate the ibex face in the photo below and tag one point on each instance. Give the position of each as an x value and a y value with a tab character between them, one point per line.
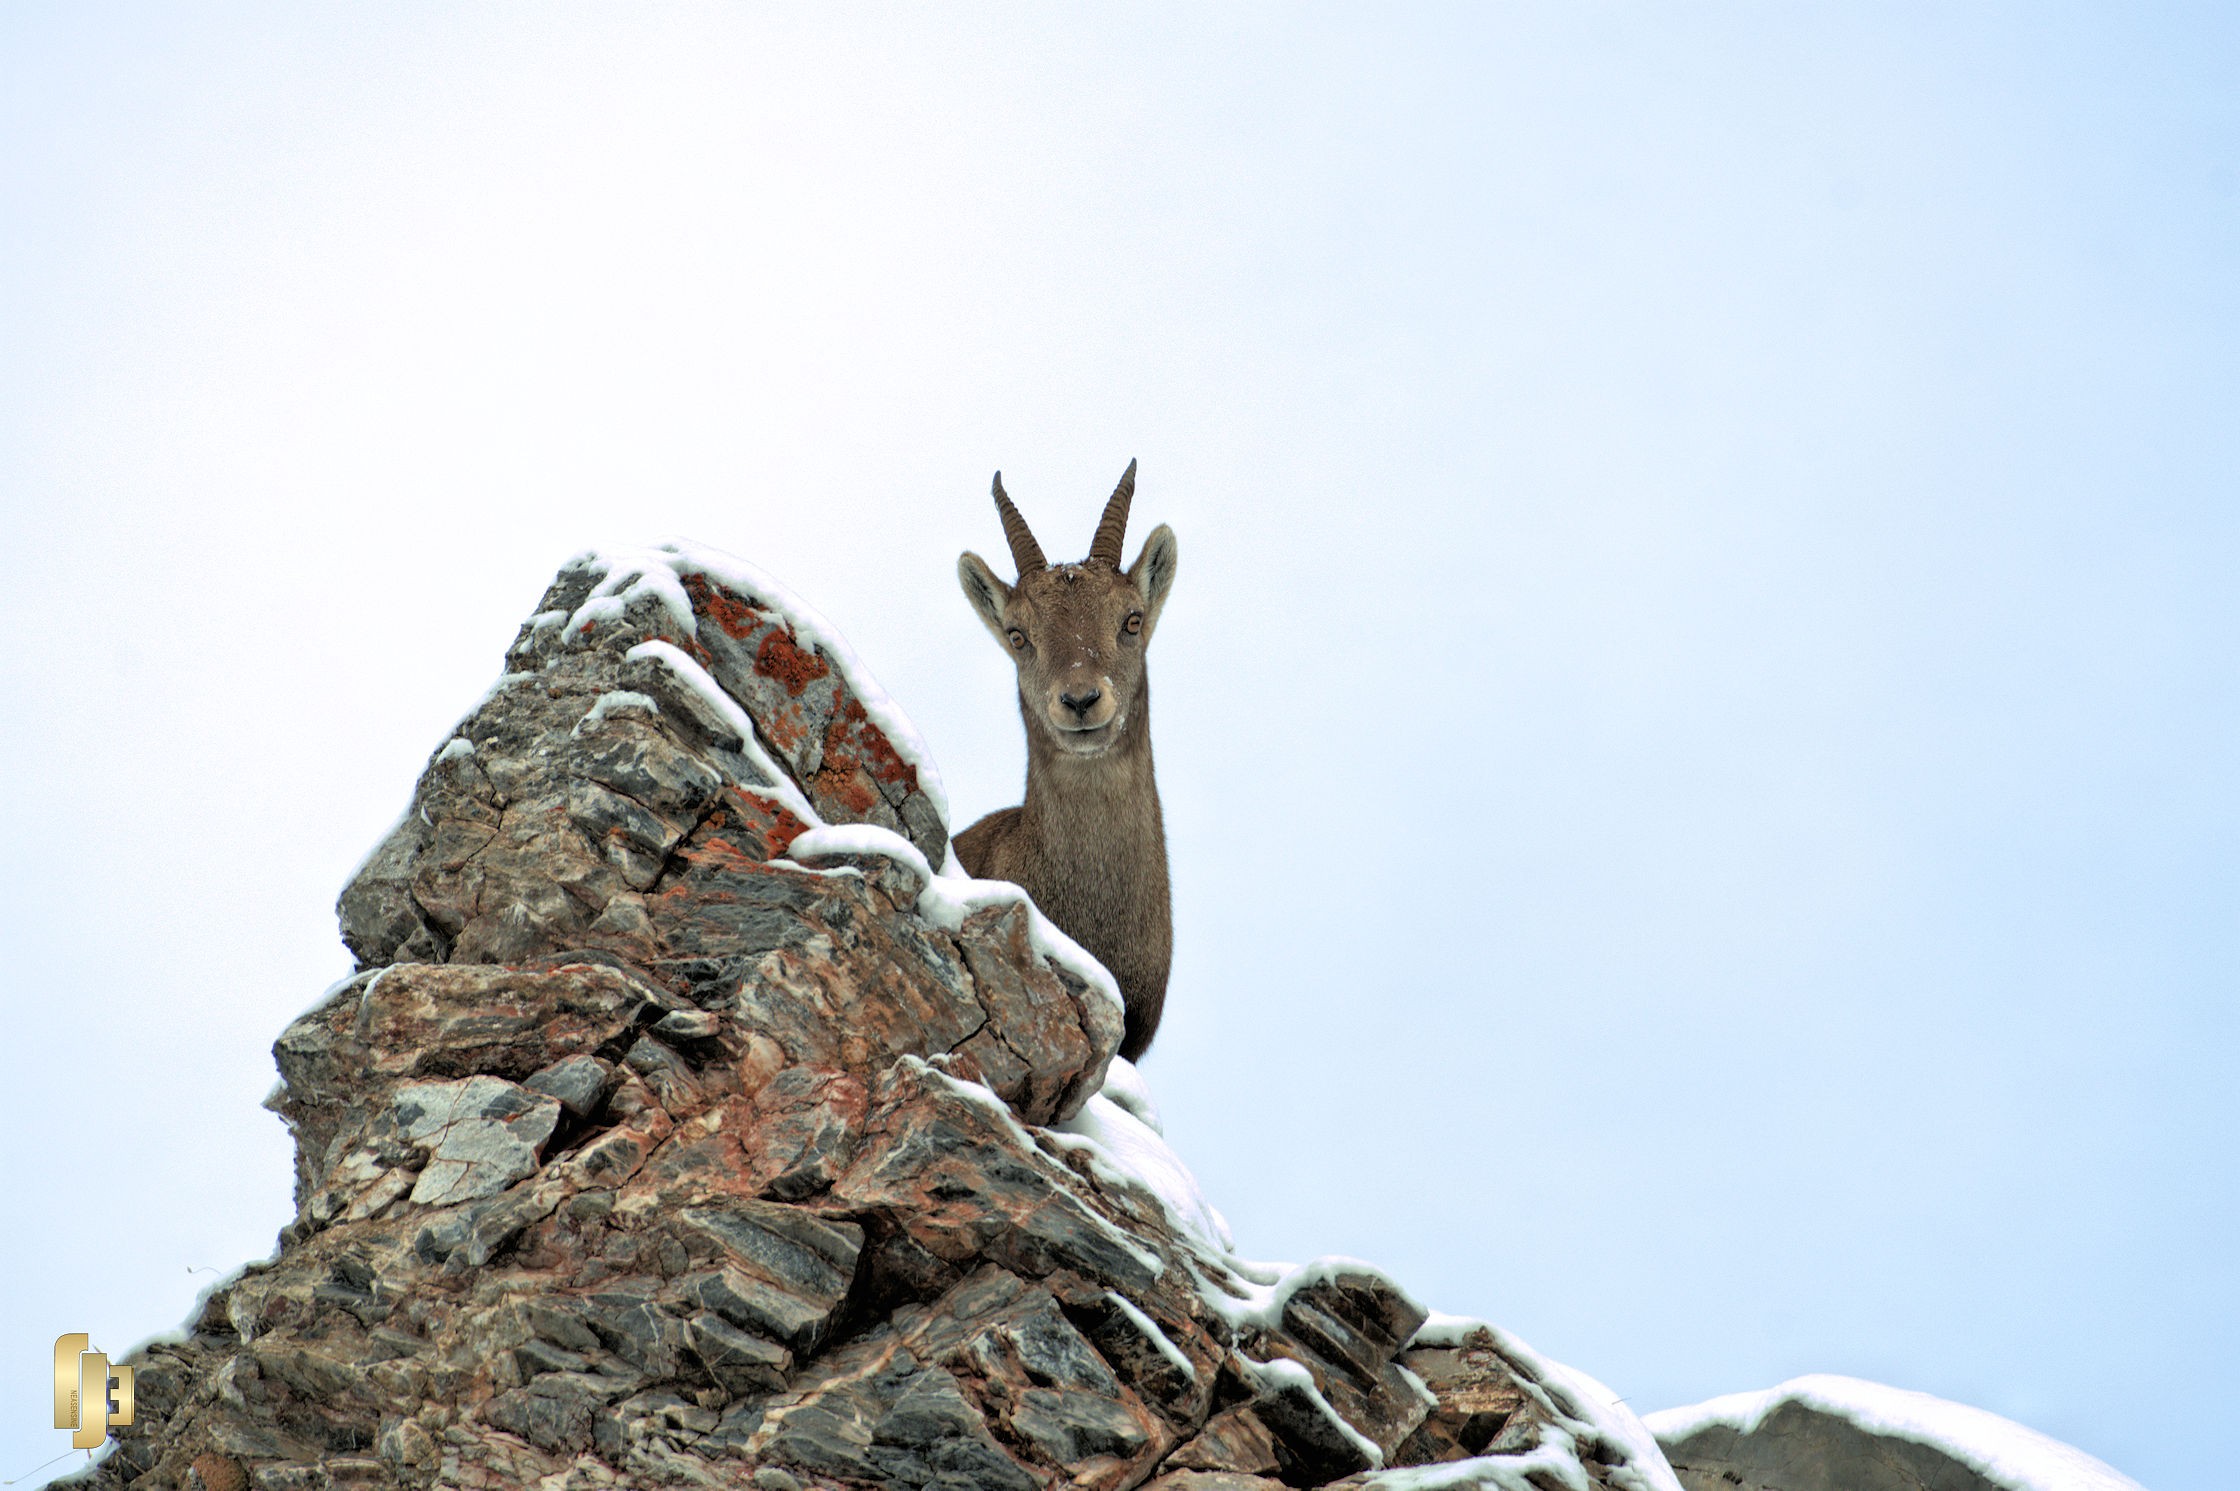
1077	632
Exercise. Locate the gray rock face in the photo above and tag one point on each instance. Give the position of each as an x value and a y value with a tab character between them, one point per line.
1828	1433
482	1134
641	1151
1799	1448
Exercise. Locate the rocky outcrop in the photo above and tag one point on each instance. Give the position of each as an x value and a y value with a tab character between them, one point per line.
1829	1433
684	1124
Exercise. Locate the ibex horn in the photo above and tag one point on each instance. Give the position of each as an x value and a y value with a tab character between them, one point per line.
1025	552
1112	528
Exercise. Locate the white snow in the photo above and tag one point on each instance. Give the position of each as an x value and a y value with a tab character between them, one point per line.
1531	1471
659	572
1125	1145
1263	1289
1124	1085
612	700
454	748
629	574
2003	1451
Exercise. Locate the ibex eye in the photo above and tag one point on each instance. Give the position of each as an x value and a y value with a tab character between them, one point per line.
1134	623
1018	638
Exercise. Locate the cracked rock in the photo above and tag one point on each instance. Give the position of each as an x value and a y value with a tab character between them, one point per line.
639	1152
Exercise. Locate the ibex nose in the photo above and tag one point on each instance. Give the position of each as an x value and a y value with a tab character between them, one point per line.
1081	704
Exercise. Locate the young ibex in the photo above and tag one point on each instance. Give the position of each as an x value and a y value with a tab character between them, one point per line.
1087	843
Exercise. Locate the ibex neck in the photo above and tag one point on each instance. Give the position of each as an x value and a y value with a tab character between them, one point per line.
1065	789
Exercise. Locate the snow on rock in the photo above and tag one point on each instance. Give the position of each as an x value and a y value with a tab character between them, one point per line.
1124	1086
650	686
666	573
1571	1415
613	701
684	1125
768	779
1127	1146
949	898
1829	1433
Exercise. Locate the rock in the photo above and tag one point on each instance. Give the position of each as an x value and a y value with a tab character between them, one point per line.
640	1151
1480	1406
1828	1433
578	1082
1235	1441
482	1134
545	806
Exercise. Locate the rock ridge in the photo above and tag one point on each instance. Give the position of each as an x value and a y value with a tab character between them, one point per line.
690	1120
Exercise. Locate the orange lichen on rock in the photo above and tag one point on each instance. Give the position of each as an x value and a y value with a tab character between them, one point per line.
843	784
880	757
743	837
737	617
787	661
858	755
770	824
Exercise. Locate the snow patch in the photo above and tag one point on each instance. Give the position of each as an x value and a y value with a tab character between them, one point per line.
628	575
1999	1449
1531	1471
1124	1085
611	701
1261	1290
1123	1145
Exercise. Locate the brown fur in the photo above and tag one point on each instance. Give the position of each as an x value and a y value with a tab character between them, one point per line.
1088	842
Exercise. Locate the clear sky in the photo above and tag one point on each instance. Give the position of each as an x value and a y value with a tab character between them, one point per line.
1697	719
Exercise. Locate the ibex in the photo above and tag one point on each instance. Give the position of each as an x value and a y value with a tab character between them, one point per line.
1087	843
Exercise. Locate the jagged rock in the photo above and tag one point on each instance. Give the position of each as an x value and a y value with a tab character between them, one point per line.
683	1126
1481	1406
1234	1441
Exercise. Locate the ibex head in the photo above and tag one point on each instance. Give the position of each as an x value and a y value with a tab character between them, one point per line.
1076	631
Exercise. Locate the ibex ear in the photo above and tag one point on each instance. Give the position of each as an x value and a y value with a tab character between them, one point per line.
988	594
1153	574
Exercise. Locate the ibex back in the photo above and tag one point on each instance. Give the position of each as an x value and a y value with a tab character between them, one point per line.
1088	843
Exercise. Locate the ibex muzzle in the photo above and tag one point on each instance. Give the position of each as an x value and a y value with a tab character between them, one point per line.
1088	843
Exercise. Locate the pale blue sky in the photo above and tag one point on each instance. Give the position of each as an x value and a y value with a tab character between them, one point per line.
1697	719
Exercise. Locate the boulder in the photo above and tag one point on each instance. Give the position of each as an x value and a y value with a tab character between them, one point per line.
1829	1433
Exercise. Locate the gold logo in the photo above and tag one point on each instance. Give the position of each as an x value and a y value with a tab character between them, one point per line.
83	1382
